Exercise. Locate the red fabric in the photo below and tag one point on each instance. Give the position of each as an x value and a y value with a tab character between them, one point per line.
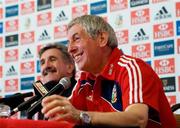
138	84
15	123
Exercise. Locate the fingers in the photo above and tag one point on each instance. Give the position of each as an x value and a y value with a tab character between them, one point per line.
53	104
58	110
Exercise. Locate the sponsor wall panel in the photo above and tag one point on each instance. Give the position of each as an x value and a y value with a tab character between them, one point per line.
147	29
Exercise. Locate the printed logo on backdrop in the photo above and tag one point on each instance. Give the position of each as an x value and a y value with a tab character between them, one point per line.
164	47
38	49
11	55
60	3
178	9
134	3
27	37
1	73
122	37
169	84
12	70
178	27
79	10
64	42
1	13
11	40
1	42
11	11
60	31
27	8
78	1
44	35
11	85
116	5
38	67
44	19
11	1
26	23
43	5
163	13
158	1
118	21
1	27
178	46
164	66
98	7
27	68
12	25
27	53
140	16
171	100
140	36
163	30
26	83
179	82
141	51
61	16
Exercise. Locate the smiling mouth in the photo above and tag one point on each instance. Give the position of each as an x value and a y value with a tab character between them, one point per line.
78	57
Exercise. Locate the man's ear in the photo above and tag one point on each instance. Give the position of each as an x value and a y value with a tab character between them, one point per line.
70	68
103	39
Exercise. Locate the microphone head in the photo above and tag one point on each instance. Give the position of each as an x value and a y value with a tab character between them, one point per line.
65	82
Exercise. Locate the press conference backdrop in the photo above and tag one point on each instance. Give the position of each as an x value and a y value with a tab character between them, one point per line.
148	29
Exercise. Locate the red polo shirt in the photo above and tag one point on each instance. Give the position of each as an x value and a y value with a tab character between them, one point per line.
125	80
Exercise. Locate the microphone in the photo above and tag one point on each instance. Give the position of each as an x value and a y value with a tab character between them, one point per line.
39	90
63	84
15	99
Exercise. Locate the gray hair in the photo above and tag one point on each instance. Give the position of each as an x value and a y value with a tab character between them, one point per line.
93	25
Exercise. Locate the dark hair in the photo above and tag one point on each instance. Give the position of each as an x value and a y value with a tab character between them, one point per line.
63	49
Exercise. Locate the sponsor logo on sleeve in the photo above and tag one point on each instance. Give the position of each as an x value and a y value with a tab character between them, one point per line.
164	48
164	66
